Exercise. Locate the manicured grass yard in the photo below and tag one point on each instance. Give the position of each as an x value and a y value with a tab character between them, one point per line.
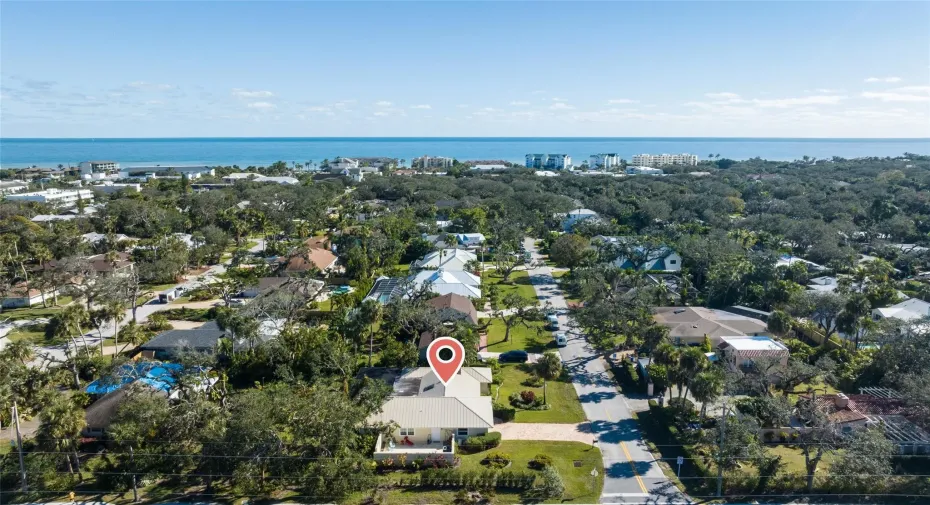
559	393
580	487
35	311
34	334
559	274
519	283
531	339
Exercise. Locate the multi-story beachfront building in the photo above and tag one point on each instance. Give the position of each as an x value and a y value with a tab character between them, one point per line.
554	161
64	197
429	162
661	160
605	160
98	169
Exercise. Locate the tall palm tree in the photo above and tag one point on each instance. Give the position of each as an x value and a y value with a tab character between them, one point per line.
60	429
20	350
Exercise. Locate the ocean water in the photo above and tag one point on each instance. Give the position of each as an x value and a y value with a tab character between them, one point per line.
264	151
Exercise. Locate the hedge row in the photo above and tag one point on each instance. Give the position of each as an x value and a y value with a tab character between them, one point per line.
470	479
478	443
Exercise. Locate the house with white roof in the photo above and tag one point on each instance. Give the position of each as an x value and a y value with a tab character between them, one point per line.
788	260
576	216
431	417
453	260
470	239
444	282
741	351
661	259
908	310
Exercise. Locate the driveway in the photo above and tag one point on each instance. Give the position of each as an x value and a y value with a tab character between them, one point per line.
632	474
580	432
531	357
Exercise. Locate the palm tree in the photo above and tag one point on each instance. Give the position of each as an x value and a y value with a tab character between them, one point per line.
706	387
132	333
60	429
20	350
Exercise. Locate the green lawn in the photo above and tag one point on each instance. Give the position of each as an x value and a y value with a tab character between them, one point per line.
34	334
158	288
580	487
559	393
531	339
35	311
559	274
519	283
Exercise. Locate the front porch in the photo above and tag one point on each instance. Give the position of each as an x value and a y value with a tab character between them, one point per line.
388	449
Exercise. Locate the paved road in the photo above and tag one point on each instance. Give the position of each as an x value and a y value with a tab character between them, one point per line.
632	475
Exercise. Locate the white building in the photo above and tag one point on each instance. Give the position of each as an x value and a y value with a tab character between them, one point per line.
470	239
640	170
427	162
161	172
453	260
489	167
661	160
278	180
9	187
740	351
604	160
64	197
443	282
553	161
239	176
908	310
339	164
98	169
575	216
109	187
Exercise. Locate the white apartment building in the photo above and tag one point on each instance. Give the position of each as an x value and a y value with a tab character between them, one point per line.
339	164
661	160
426	162
98	169
552	161
65	197
159	172
604	160
109	187
631	170
9	187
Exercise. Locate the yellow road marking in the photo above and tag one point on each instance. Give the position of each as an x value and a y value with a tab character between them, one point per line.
607	414
633	466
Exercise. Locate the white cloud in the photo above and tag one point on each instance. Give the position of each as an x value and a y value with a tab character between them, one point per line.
262	105
421	106
317	109
828	90
722	96
149	86
462	106
561	106
805	100
557	99
538	92
383	103
381	113
883	79
245	93
913	94
620	101
519	103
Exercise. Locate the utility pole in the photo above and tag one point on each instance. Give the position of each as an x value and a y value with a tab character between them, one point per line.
723	430
132	465
19	446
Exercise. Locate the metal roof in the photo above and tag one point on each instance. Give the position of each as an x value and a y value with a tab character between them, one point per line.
437	412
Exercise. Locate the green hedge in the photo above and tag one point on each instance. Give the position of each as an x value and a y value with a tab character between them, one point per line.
445	478
478	443
505	413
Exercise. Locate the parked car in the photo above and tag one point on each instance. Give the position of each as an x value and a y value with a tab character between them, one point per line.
561	340
552	322
514	356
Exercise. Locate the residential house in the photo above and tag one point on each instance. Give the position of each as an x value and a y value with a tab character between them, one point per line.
453	307
110	187
95	238
264	284
639	170
689	325
440	241
167	172
740	351
908	310
385	289
489	167
788	260
576	216
470	239
204	340
320	259
22	295
54	196
660	259
447	259
9	187
443	282
431	417
50	218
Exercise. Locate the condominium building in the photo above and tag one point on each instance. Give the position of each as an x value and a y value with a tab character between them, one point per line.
167	172
661	160
7	187
555	161
427	162
635	170
97	169
605	160
54	196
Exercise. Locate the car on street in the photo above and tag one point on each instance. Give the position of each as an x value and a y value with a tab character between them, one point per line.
515	356
560	339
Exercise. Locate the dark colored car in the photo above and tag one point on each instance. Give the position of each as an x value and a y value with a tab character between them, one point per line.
514	357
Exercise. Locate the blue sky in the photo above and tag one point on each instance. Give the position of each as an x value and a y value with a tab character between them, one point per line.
173	69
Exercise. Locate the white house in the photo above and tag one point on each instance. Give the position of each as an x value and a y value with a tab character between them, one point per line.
110	187
21	295
663	259
8	187
446	259
339	164
576	216
640	170
788	260
470	239
908	310
741	351
443	282
489	167
158	171
432	418
54	196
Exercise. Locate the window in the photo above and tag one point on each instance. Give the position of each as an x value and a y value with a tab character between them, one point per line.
673	262
407	432
462	432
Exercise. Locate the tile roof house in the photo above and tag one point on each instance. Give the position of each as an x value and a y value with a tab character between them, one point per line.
21	295
321	259
264	284
453	307
432	416
741	351
443	282
446	259
689	325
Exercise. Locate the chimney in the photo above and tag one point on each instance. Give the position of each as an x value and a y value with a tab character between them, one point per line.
841	401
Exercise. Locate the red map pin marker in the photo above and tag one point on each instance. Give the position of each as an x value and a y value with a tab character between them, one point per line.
445	356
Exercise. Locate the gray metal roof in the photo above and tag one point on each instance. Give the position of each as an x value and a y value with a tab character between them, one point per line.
204	337
436	412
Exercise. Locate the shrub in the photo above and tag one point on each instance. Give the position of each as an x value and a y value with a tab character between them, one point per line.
504	412
552	485
517	400
783	436
498	460
478	443
795	436
528	396
653	405
534	381
769	436
541	461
